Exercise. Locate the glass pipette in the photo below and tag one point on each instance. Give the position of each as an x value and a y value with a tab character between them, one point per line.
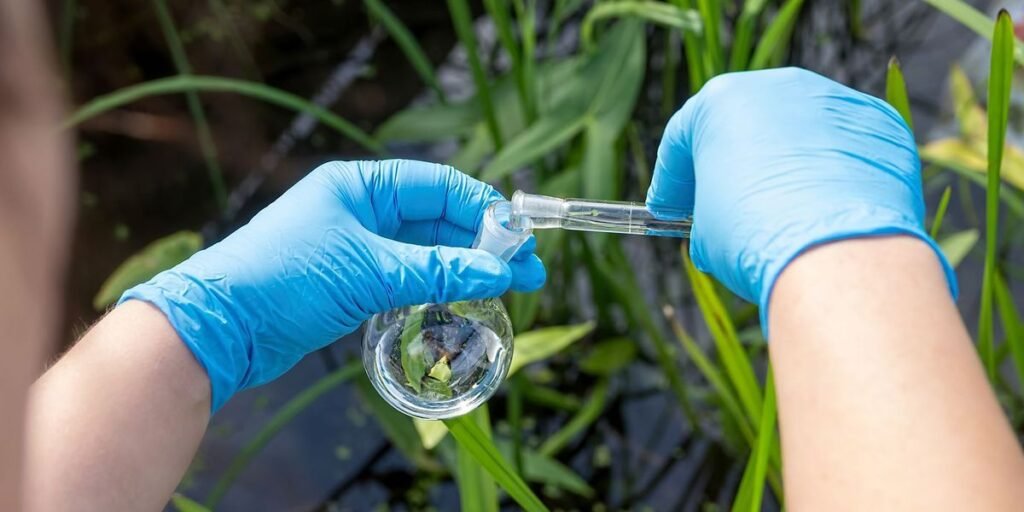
600	216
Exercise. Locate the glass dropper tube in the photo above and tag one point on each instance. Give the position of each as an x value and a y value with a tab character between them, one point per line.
623	217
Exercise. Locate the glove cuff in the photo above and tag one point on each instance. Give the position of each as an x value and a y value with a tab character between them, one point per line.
204	326
866	221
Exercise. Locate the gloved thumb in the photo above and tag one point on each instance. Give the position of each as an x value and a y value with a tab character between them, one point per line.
671	194
417	274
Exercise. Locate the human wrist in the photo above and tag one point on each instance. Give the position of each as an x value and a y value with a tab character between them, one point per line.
199	314
786	246
863	266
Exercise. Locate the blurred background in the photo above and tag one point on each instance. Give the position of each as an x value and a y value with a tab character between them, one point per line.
192	115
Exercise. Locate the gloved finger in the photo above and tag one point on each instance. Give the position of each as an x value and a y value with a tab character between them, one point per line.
526	250
441	232
671	194
420	274
434	232
412	191
528	273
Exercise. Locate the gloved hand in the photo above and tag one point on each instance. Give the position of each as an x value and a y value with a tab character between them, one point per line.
773	162
349	240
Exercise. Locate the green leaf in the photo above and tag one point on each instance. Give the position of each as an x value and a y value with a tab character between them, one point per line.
751	492
154	258
541	138
601	162
462	20
628	293
711	15
728	397
940	212
609	357
546	470
602	91
548	397
896	92
179	84
1013	325
685	20
407	42
588	414
969	115
476	486
723	332
414	355
184	504
543	343
431	432
431	123
744	35
975	20
277	422
398	427
955	155
203	133
477	444
957	246
1000	85
776	37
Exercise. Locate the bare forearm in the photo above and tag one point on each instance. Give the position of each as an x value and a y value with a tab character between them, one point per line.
883	403
138	402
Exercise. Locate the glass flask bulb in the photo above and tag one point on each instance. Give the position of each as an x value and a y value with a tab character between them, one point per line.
437	361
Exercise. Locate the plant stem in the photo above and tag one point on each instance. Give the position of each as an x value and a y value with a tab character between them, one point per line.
203	133
179	84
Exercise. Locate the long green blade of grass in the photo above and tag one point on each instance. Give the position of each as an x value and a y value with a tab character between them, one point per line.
398	427
475	441
462	19
203	133
686	20
407	43
591	410
476	487
1013	325
940	211
729	400
1000	84
975	20
896	92
285	415
742	41
711	16
693	48
714	377
762	451
179	84
527	79
1013	201
627	291
723	332
776	36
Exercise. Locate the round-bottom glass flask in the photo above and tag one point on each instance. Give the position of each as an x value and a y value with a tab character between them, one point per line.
437	361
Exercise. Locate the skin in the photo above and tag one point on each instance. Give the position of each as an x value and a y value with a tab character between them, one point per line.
138	403
883	403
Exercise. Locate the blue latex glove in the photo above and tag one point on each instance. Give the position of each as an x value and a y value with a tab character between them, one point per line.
773	162
350	240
